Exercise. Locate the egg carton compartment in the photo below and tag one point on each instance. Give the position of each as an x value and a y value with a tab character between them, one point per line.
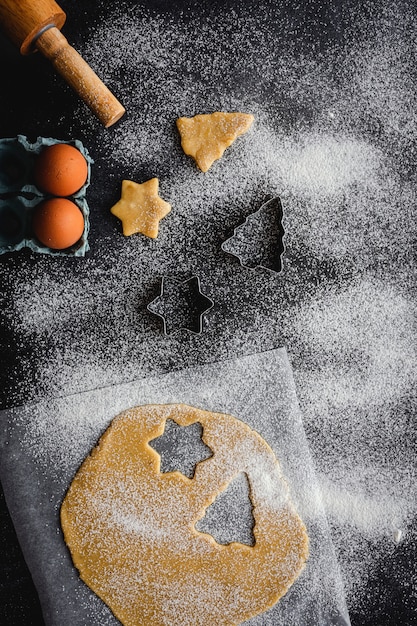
17	162
16	165
16	214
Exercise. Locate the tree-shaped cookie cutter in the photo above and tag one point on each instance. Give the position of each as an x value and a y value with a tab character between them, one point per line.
181	305
258	242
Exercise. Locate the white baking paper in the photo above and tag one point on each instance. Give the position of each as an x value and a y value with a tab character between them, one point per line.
43	445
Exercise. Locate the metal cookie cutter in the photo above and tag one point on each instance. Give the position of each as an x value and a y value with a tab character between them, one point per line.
258	242
181	305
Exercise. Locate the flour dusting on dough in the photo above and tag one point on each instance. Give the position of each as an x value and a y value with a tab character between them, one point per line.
121	515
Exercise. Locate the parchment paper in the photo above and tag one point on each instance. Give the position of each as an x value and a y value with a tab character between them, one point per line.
43	445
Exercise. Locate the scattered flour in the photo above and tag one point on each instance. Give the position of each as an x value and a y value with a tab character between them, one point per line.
334	136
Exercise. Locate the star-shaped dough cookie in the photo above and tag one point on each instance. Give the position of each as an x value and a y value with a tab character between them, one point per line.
140	208
205	137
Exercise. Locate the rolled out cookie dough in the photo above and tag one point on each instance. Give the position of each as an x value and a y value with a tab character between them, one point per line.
131	529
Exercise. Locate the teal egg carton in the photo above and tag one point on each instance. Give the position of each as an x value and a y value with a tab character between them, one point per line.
19	196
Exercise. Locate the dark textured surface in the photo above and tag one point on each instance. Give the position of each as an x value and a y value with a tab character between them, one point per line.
35	102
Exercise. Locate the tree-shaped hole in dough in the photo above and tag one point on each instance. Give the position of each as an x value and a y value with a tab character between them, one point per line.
230	518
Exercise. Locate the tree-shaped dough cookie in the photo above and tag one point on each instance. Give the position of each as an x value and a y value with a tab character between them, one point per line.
206	137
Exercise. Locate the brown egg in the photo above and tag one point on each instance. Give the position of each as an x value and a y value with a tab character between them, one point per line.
58	223
60	170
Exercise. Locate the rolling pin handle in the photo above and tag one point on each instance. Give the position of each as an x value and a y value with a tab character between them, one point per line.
39	34
36	24
79	75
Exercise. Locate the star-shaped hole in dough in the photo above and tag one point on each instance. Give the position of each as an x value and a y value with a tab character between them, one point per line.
181	448
140	208
205	137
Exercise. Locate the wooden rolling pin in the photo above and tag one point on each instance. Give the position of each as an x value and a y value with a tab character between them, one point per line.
35	25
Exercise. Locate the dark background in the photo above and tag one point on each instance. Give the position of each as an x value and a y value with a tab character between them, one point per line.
28	85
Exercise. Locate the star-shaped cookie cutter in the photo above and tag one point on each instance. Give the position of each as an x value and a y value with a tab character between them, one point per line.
181	305
258	242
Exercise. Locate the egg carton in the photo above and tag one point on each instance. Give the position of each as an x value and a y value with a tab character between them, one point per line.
19	196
